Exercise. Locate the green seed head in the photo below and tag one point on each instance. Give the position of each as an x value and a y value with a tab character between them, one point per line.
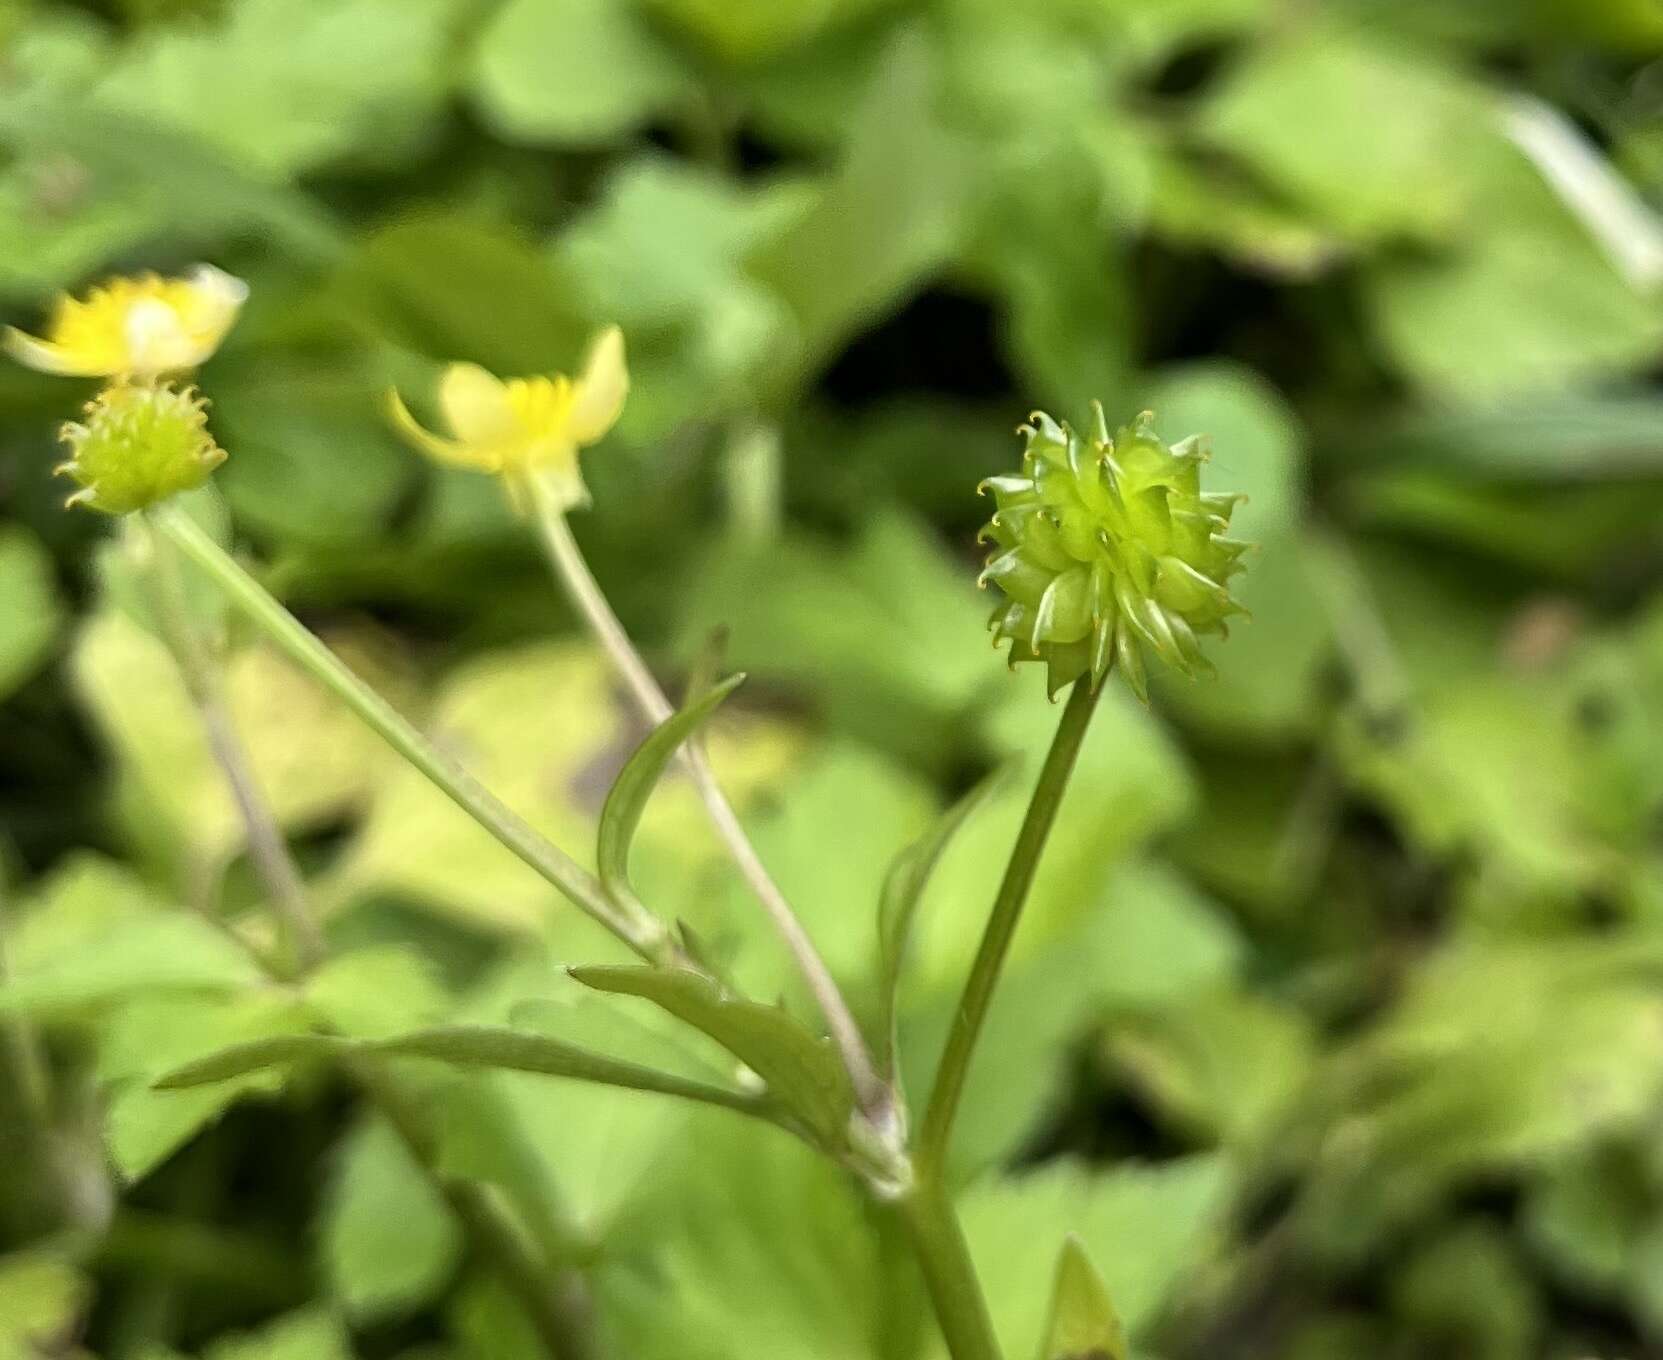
1105	547
139	443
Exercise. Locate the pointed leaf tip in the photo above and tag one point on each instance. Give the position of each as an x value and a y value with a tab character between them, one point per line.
1083	1324
625	804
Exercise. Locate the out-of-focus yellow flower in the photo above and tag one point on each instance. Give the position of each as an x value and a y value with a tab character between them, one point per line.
526	429
135	327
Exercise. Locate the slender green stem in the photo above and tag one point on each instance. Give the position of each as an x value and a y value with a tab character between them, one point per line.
643	933
949	1274
751	473
936	1130
266	847
556	1301
24	1054
591	603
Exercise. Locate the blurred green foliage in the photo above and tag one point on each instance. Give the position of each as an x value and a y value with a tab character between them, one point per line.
1336	1024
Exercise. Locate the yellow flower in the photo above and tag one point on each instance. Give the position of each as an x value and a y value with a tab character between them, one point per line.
135	328
526	429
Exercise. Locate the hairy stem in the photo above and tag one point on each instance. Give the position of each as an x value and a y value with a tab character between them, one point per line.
643	933
203	681
936	1131
586	595
949	1274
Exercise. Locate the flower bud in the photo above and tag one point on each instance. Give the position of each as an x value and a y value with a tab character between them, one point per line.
139	443
1105	548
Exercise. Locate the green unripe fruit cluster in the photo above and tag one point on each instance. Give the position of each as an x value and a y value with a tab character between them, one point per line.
1105	548
137	444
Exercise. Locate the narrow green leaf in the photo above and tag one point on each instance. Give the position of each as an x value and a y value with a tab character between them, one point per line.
903	890
621	816
516	1051
1083	1324
462	1046
240	1059
799	1068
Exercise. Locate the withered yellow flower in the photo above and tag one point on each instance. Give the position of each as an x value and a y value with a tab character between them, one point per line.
526	429
135	327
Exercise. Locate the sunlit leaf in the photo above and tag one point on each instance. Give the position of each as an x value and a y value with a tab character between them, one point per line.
1144	1227
749	1244
573	71
317	101
1083	1324
388	1239
149	953
311	1334
310	756
1368	134
152	1034
41	1298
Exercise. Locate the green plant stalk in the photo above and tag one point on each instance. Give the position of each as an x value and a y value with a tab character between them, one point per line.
949	1274
935	1132
874	1094
266	847
644	934
555	1301
24	1057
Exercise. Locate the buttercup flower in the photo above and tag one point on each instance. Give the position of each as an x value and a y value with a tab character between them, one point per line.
526	428
135	327
1104	547
139	443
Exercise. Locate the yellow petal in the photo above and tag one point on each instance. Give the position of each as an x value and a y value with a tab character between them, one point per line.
601	389
45	357
207	307
476	405
143	326
450	451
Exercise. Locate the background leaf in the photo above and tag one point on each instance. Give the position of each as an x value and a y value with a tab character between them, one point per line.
1082	1321
388	1239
